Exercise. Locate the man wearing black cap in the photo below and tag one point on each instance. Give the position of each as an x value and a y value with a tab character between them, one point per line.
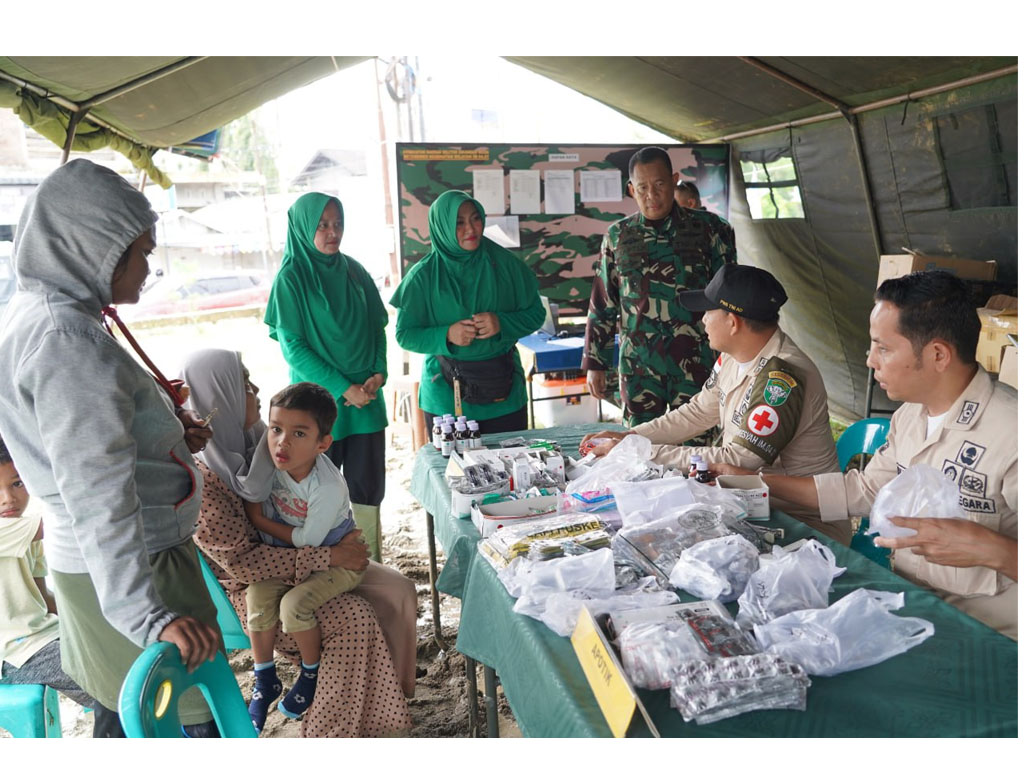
764	392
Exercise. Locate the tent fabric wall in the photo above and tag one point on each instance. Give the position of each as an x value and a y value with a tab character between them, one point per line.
827	261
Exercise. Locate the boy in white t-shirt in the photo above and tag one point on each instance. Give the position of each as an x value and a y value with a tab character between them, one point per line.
308	507
29	632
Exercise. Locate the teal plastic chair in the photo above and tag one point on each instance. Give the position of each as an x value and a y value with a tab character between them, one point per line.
148	704
864	436
30	711
227	619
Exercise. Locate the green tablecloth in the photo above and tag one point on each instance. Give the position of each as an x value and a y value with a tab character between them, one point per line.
961	682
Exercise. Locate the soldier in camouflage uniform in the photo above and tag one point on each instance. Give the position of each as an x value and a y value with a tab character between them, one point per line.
766	394
646	260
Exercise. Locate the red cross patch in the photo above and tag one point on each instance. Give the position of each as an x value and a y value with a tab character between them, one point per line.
763	420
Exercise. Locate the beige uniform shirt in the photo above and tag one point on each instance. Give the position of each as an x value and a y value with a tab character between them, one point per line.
25	624
976	447
774	418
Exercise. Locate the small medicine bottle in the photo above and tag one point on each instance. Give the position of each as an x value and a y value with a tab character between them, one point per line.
436	432
703	474
461	436
475	441
447	439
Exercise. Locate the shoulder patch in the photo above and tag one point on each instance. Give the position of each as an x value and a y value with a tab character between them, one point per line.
769	413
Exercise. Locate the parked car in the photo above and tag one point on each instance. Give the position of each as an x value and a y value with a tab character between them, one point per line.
198	293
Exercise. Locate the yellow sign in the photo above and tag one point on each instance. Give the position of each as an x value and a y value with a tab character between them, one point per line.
606	678
421	154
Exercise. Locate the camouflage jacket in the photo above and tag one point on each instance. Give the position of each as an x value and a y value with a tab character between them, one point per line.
641	270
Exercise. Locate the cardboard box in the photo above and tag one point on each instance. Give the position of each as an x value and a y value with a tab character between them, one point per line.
899	264
751	490
998	320
490	517
1008	368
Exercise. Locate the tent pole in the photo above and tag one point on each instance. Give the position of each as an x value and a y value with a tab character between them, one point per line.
73	121
865	180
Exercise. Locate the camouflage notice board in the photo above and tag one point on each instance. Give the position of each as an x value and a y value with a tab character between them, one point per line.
561	248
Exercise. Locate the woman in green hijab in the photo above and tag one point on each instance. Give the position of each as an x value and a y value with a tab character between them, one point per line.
326	313
464	306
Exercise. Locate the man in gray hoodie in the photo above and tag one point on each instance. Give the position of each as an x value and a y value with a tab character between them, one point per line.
98	441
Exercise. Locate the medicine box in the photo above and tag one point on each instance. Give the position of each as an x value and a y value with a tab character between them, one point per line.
462	502
490	517
751	490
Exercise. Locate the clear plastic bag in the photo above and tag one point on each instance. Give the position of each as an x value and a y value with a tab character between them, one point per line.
655	547
918	491
641	503
718	569
787	582
651	652
712	690
627	460
560	610
854	632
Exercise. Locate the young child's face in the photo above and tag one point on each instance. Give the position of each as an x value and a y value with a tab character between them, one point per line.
295	441
13	495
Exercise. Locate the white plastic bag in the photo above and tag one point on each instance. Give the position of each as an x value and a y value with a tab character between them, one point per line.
594	570
787	582
718	569
854	632
560	610
626	460
918	491
641	503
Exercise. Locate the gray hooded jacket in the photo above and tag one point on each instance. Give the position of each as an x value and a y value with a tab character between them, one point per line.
91	433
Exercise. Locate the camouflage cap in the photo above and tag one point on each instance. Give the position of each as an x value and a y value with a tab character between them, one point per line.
746	291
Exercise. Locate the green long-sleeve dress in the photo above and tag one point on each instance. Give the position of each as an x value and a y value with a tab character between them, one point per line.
452	284
328	317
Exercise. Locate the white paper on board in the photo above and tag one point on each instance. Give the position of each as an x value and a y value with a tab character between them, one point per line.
524	191
559	192
504	230
489	190
600	186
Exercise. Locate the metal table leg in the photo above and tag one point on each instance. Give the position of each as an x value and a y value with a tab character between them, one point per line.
434	597
471	695
491	701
